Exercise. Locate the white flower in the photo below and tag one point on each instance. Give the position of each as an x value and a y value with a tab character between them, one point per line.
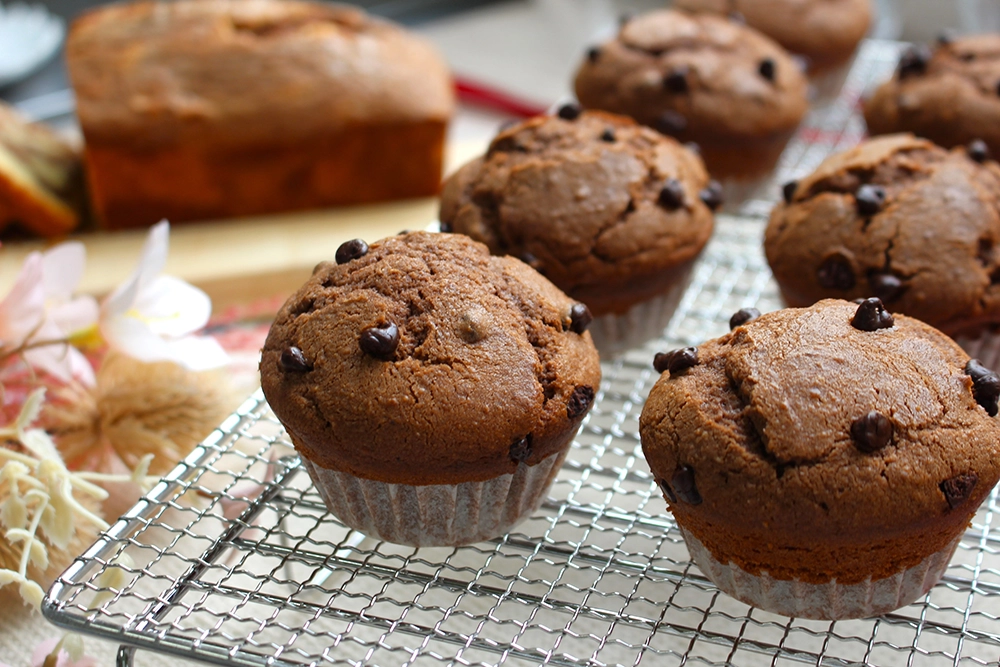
40	313
151	317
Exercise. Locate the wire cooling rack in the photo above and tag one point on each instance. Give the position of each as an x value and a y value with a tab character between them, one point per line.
232	558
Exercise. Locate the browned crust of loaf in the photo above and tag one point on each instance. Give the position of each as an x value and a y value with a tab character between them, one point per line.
764	423
131	187
442	410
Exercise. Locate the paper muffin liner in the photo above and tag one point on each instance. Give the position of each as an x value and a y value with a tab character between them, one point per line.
825	86
831	601
615	334
436	514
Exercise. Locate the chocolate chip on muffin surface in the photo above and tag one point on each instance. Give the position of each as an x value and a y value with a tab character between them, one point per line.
826	32
610	223
700	78
896	218
809	449
950	95
423	359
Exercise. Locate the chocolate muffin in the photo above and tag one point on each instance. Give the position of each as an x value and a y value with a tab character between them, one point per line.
950	95
825	32
700	78
898	218
431	389
613	213
824	462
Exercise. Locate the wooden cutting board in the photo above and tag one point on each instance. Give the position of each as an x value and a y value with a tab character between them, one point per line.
242	260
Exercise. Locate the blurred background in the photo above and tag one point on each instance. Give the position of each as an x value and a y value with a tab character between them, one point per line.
527	49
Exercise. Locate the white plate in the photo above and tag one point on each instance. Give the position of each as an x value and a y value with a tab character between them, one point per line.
29	36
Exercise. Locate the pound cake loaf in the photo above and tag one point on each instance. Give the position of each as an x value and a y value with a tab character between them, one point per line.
202	109
898	218
823	462
950	95
431	389
701	78
614	213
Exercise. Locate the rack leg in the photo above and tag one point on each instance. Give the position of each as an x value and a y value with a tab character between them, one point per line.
125	656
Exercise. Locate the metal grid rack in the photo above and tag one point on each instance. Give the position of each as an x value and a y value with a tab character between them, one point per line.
232	558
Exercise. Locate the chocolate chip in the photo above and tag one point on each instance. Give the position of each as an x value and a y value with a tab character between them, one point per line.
871	315
684	486
858	301
788	190
608	135
569	111
985	386
742	316
671	195
676	81
667	491
871	432
320	267
767	68
914	61
446	228
593	53
978	150
293	361
381	341
579	318
712	195
351	250
959	488
869	199
520	449
886	286
967	57
835	273
579	401
671	122
676	361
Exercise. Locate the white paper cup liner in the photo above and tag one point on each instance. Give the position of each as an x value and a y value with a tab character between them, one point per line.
830	601
616	334
825	88
436	514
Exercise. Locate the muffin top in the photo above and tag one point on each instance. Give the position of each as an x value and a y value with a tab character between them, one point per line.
424	360
898	218
825	31
806	429
695	76
950	95
603	207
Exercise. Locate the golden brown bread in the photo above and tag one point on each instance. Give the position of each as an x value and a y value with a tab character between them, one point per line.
41	179
213	108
